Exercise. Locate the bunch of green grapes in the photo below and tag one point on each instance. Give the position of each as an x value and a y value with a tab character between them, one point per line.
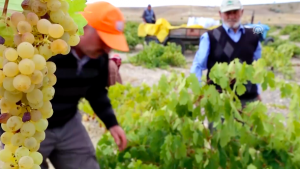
44	29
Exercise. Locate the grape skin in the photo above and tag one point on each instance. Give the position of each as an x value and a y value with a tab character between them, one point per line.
43	26
10	69
24	26
27	37
16	18
25	50
32	18
56	31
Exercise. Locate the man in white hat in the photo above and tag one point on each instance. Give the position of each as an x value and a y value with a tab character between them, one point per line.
229	41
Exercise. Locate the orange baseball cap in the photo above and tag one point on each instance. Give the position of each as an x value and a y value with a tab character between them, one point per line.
109	22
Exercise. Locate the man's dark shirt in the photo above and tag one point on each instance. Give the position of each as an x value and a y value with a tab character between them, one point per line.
149	16
75	82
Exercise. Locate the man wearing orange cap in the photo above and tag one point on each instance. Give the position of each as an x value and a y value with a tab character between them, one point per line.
83	73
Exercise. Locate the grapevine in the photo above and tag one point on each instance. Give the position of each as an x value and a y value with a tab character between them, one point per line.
44	29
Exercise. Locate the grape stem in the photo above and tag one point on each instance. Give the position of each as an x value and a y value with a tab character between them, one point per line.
5	8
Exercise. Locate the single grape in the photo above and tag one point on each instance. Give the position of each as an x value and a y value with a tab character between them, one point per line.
41	125
35	96
30	142
56	31
17	39
26	66
6	137
26	162
57	16
32	18
11	54
36	77
35	149
39	136
51	67
59	46
11	97
16	17
11	147
39	62
45	50
14	123
52	79
48	92
6	156
74	29
68	23
38	7
26	117
2	40
65	37
28	37
22	82
10	165
8	84
53	5
32	86
10	69
46	107
4	127
36	105
17	139
28	129
6	105
16	110
64	6
74	40
25	50
43	26
35	115
24	26
26	5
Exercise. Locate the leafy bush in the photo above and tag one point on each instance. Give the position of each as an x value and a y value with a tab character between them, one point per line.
295	36
289	28
165	130
279	58
130	31
156	55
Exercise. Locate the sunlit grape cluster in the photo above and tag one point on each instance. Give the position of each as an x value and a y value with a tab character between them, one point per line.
44	29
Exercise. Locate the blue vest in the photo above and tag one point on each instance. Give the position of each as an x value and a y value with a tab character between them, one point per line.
149	15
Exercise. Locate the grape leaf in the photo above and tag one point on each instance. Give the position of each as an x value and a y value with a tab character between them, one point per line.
76	6
14	5
7	33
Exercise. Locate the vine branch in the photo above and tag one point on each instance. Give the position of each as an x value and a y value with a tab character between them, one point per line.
5	8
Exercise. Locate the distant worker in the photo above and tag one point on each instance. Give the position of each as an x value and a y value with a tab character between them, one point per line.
229	41
148	15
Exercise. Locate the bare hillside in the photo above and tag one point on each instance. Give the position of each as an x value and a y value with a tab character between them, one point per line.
275	14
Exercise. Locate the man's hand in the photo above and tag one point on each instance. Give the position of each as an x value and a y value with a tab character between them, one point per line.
119	135
259	98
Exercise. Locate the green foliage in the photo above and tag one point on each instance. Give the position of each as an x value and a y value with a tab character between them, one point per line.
165	130
156	55
76	6
289	28
130	31
295	36
14	5
279	58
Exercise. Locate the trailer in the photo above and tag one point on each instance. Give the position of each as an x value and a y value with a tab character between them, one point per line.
181	37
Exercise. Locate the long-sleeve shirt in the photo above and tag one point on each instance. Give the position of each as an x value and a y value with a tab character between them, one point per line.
200	60
80	78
